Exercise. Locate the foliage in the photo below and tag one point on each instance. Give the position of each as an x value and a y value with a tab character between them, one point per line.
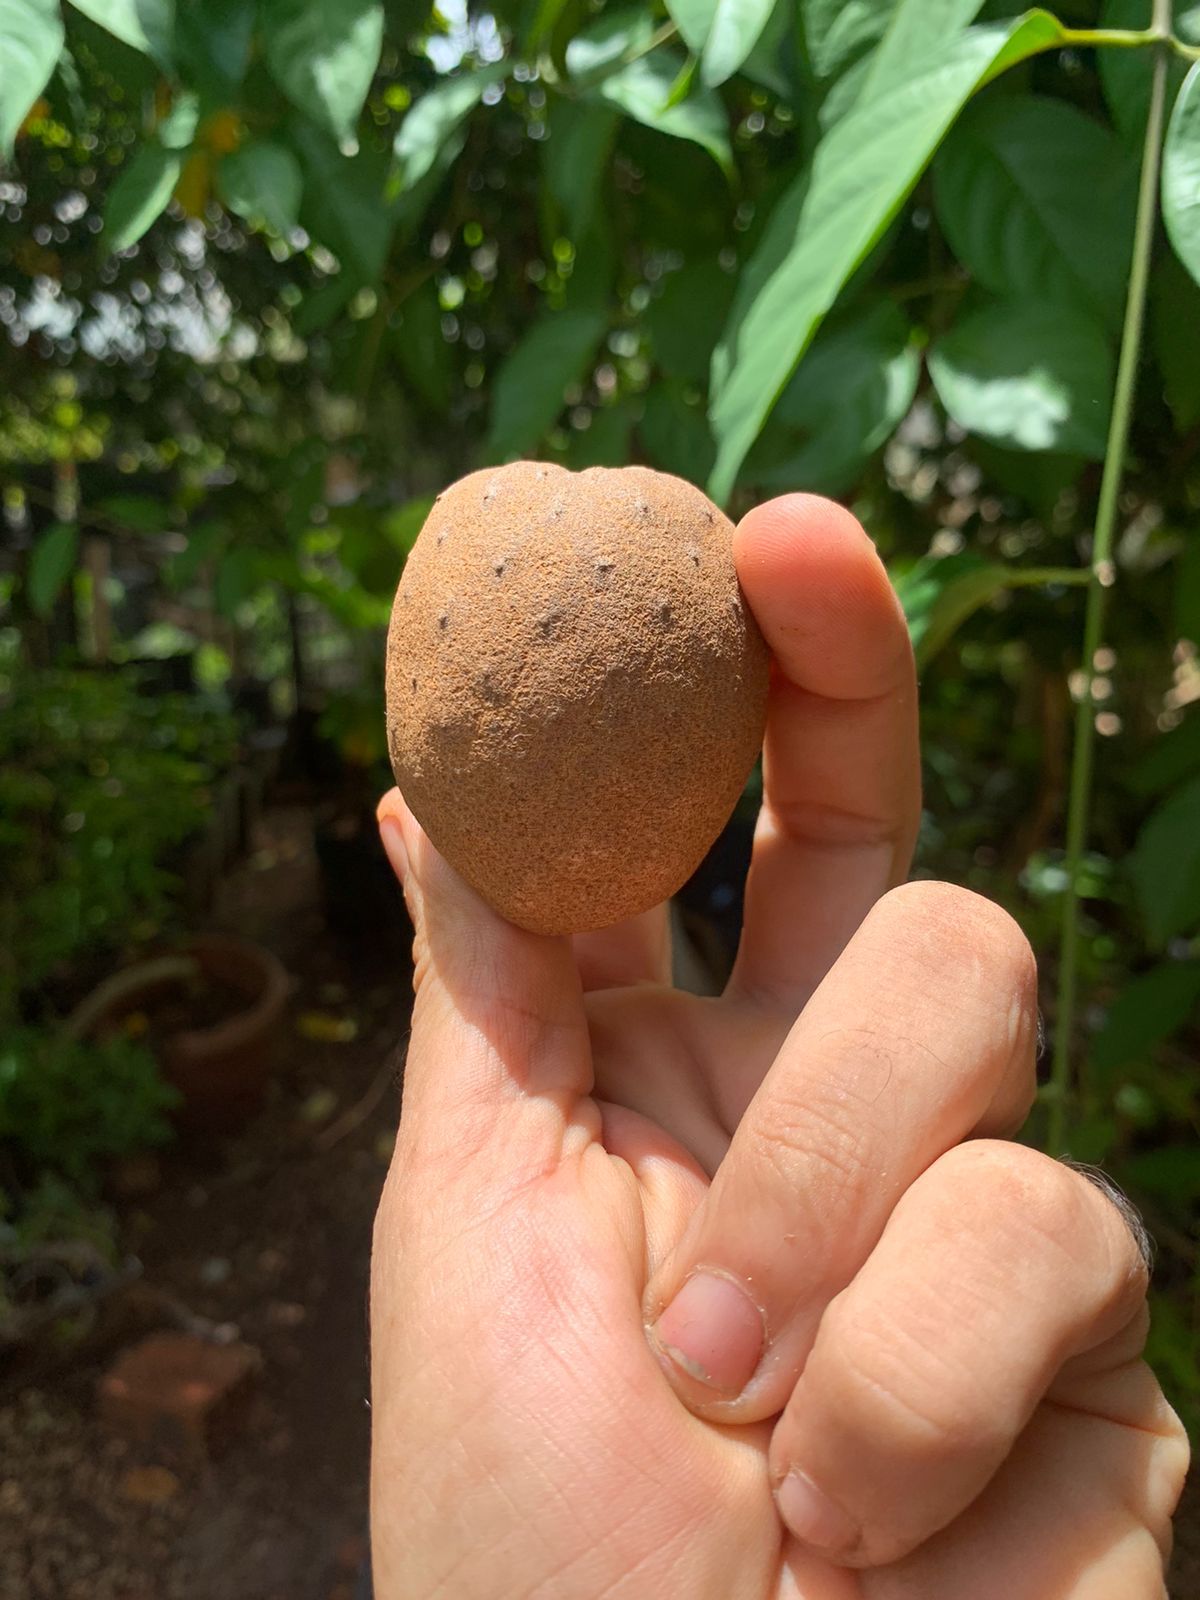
99	785
68	1105
275	273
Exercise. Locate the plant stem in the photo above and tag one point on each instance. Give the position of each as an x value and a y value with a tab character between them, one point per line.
1100	580
1129	39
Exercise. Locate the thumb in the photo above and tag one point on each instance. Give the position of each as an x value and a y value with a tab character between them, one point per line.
499	1051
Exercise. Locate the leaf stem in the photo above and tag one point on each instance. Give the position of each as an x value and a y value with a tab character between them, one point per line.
1101	578
1129	39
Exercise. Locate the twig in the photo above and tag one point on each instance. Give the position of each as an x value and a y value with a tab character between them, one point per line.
1100	580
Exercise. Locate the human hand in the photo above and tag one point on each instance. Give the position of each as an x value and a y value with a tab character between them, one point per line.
904	1360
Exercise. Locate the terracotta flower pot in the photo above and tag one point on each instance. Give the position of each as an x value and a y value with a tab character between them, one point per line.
221	1071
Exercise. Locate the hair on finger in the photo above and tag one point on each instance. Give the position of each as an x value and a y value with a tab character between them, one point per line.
1129	1212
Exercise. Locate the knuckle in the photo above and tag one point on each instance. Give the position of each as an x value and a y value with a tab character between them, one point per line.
889	1382
817	1149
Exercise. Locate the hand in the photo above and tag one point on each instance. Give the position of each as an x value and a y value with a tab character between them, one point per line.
745	1298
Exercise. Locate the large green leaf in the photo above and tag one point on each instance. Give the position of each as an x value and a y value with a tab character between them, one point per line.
674	432
323	55
848	395
31	40
916	30
1148	1010
575	158
830	218
603	45
1165	865
51	563
721	32
435	118
837	33
1181	174
140	195
1038	201
642	91
528	391
1175	330
940	593
212	45
146	26
684	320
1028	374
262	182
1125	74
344	204
1170	760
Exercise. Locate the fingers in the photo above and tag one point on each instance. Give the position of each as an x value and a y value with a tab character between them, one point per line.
997	1267
841	771
923	1033
498	1055
637	950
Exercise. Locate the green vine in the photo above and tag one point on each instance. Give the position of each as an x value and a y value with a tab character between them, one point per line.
1102	575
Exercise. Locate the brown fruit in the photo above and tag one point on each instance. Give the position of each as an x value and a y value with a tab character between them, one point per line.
576	689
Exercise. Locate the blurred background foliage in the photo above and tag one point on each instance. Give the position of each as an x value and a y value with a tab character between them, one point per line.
272	272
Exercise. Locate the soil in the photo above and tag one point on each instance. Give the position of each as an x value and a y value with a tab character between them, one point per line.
266	1236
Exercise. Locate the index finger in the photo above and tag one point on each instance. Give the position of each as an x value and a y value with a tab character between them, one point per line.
841	764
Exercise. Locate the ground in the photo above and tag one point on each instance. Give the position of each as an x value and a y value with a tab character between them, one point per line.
266	1236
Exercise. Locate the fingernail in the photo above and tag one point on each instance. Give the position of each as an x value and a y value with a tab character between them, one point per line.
713	1331
813	1517
393	844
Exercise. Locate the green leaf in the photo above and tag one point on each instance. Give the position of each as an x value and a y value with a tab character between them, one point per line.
404	523
435	117
1171	1172
831	217
262	182
178	128
598	48
916	31
212	45
141	512
674	432
344	205
605	441
1038	200
1165	865
140	195
770	61
1028	374
528	391
721	32
323	55
31	41
641	90
1125	74
1148	1010
235	580
940	593
685	318
421	348
871	366
147	26
51	563
1175	331
1181	174
1170	760
575	159
837	33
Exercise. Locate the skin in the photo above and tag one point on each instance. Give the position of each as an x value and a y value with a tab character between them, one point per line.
939	1329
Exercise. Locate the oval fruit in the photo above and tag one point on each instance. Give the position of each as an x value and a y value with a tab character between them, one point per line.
576	689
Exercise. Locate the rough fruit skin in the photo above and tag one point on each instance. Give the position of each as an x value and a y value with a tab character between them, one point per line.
576	689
